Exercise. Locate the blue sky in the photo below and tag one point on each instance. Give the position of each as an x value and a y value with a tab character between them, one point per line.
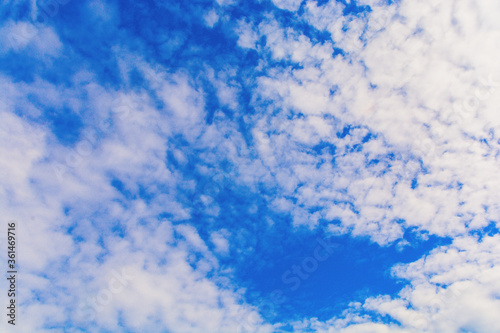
252	166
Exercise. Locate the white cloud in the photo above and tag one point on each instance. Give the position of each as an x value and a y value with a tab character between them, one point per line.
399	86
224	3
418	76
211	18
247	37
220	241
291	5
101	10
40	40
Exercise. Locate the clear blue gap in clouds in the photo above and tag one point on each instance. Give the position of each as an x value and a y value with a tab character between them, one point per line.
354	271
65	123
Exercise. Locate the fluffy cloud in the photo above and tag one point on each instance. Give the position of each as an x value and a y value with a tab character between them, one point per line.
370	123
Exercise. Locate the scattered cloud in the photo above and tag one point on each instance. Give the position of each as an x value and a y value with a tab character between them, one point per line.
157	186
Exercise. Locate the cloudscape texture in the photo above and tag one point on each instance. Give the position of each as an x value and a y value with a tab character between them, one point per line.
251	166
